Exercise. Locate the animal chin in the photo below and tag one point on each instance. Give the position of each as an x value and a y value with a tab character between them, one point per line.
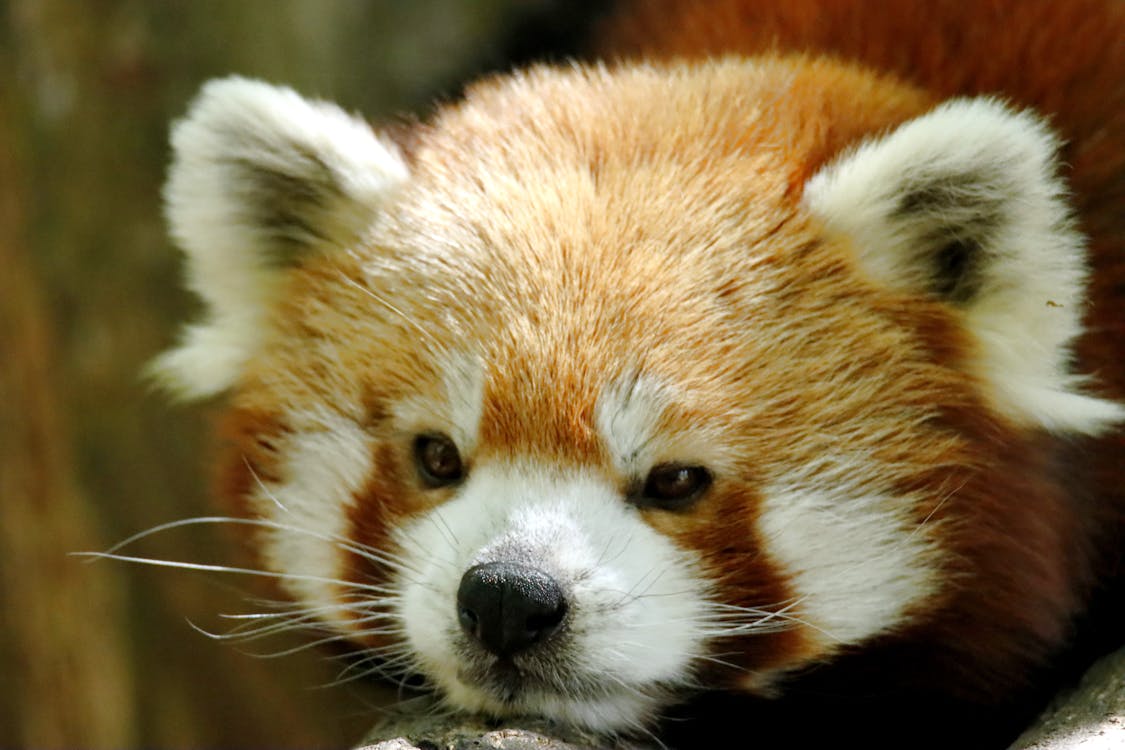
505	690
505	683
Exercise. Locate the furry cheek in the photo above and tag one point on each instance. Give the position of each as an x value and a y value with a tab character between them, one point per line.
304	506
856	566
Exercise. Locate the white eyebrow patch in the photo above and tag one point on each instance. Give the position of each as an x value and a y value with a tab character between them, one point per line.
456	410
628	414
633	415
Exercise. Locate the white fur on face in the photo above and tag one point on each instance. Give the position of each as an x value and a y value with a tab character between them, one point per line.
328	459
635	602
855	559
975	171
631	417
457	412
628	417
853	555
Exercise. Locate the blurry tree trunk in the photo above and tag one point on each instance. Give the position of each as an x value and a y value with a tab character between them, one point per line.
65	670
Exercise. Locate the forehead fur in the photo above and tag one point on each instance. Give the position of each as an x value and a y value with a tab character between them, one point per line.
557	231
629	171
607	122
571	192
561	220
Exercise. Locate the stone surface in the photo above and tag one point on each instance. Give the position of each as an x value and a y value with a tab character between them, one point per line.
416	726
1089	717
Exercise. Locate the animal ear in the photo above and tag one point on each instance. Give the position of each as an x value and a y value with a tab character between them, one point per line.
261	177
965	204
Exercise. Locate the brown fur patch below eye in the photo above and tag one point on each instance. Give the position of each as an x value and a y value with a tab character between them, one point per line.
781	644
378	507
721	530
755	584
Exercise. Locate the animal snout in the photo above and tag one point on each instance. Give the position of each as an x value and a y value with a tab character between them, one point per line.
508	607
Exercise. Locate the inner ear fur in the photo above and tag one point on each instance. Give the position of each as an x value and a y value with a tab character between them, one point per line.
965	204
260	177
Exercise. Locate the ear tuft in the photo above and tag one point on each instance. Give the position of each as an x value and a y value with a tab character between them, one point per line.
964	204
260	177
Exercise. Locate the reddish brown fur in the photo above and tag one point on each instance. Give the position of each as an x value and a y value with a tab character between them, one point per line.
374	513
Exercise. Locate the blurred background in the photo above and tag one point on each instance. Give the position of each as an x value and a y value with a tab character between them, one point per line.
102	654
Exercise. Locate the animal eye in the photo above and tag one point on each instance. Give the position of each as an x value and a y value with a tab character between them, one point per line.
672	486
438	460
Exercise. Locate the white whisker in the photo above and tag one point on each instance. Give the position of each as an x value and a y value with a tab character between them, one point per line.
262	486
368	553
389	306
225	569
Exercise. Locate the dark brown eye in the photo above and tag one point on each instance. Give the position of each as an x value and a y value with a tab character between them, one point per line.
439	462
672	486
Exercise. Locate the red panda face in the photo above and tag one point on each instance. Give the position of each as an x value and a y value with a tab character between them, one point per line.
542	438
618	385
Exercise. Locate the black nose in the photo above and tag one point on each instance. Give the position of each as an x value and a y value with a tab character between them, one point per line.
508	606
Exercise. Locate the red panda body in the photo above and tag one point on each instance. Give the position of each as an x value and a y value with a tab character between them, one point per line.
757	367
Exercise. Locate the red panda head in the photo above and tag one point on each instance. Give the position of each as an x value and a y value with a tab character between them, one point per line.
618	382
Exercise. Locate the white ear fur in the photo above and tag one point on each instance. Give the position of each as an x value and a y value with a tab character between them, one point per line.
260	175
965	203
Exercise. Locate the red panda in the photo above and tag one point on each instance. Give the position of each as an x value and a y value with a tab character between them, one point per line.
774	357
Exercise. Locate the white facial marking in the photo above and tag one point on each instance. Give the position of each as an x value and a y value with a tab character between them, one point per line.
457	412
634	599
329	458
629	416
854	558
